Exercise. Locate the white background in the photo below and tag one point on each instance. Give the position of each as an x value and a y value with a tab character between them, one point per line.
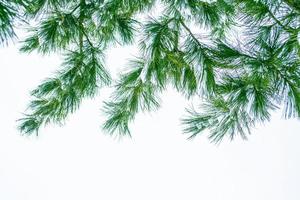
78	161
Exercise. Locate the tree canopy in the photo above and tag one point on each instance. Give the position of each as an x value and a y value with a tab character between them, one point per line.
240	57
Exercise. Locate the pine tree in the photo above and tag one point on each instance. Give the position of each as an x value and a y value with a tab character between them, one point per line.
240	57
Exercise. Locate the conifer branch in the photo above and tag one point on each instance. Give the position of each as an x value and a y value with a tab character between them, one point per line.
288	29
190	32
241	78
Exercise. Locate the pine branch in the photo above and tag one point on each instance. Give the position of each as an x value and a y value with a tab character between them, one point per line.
132	95
241	77
286	28
190	32
57	97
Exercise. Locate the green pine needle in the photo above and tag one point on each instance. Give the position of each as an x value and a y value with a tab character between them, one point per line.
246	65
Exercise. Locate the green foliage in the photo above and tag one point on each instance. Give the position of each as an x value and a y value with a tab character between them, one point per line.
8	13
132	94
241	57
54	33
81	74
222	118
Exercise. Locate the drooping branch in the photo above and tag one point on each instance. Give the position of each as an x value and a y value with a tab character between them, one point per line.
241	84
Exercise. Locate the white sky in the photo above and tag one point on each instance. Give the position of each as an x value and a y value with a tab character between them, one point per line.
77	161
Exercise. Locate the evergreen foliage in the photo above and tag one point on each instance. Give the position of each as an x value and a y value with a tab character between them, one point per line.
241	57
9	11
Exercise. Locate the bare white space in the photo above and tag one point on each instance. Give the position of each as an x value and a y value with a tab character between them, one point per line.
79	162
